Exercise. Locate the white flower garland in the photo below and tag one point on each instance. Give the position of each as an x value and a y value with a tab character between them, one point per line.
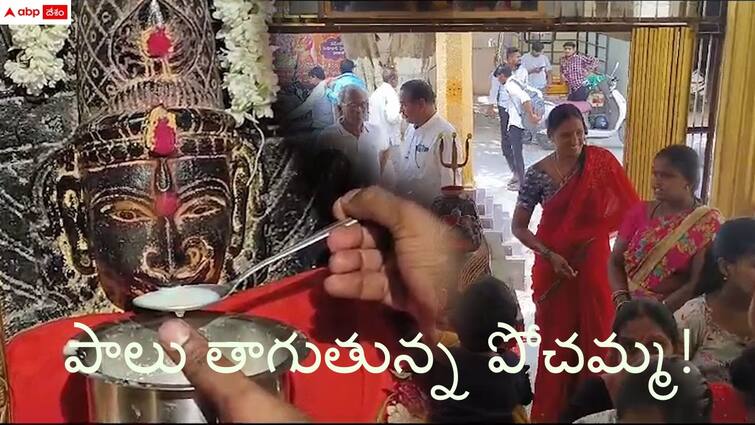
248	57
37	65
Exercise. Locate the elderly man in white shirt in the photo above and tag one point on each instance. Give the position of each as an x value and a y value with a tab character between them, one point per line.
362	143
419	174
385	110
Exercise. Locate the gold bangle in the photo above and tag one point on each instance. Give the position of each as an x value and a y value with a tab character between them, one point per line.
618	306
619	293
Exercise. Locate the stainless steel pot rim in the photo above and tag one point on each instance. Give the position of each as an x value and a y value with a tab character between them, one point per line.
281	331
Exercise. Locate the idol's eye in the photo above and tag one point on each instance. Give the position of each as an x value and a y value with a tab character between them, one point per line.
128	212
202	210
202	207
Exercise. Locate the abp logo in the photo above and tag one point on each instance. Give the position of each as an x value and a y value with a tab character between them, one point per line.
35	12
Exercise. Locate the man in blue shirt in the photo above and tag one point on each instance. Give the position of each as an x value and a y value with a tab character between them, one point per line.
346	78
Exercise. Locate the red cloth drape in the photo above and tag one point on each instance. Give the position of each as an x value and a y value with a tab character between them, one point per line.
576	224
728	405
43	391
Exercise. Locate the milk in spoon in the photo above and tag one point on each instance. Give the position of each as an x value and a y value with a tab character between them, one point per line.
180	298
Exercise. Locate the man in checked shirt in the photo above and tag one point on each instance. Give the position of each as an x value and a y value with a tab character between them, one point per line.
575	67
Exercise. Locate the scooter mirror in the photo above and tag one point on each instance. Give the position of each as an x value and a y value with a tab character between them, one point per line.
615	68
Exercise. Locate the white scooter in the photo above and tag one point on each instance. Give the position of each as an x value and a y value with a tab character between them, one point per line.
604	112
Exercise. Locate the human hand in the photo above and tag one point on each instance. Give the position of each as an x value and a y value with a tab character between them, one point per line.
411	274
561	266
233	396
490	111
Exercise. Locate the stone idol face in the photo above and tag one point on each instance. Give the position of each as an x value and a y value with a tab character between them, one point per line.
152	189
156	205
141	180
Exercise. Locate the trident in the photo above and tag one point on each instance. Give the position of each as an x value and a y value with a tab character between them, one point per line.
454	163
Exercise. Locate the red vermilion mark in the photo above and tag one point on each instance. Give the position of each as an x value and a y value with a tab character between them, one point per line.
159	44
166	204
165	138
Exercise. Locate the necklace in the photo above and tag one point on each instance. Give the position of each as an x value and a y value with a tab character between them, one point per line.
561	177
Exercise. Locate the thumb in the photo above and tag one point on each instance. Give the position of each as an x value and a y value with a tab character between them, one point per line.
234	397
218	388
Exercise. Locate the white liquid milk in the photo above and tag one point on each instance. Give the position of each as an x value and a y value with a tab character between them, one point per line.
178	298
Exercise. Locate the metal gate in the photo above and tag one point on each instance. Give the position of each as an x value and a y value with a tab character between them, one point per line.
704	84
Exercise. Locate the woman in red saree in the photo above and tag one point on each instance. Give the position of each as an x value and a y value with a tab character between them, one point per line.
660	250
584	193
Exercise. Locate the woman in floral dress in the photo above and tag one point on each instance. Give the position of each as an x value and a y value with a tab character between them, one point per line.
718	319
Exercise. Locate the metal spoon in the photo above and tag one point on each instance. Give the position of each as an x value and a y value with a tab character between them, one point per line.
194	297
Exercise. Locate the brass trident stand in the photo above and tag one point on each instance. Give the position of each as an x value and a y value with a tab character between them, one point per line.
454	163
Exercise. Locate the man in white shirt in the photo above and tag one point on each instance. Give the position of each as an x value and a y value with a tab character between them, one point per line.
419	174
361	143
538	66
385	110
499	99
520	108
514	61
317	102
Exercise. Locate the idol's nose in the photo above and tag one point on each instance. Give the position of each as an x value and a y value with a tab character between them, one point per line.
174	260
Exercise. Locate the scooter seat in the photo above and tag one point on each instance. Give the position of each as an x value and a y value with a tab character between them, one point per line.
582	105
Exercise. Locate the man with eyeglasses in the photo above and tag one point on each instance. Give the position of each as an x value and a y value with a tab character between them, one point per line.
362	143
419	174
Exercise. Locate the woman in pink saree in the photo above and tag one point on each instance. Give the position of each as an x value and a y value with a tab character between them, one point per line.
660	249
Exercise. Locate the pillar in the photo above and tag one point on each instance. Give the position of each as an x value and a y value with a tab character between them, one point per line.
453	55
659	79
733	188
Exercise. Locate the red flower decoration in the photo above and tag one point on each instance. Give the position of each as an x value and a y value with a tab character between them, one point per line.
451	220
411	396
165	138
159	44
